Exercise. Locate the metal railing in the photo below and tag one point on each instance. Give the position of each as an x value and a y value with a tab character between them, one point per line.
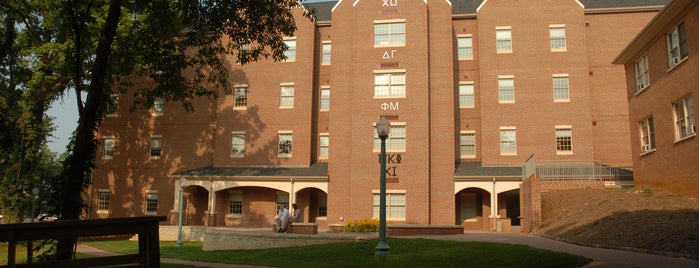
581	170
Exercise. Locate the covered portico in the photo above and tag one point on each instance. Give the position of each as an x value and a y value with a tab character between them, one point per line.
247	196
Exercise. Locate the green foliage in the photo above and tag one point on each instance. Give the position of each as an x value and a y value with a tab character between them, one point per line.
404	253
362	225
648	191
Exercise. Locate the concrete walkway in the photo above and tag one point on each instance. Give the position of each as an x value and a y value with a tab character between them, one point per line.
602	257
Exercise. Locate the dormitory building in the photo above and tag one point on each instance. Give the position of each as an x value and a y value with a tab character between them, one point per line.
474	90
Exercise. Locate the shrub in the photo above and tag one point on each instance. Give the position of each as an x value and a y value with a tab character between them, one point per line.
362	225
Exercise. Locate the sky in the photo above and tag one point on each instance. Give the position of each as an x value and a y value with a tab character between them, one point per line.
65	113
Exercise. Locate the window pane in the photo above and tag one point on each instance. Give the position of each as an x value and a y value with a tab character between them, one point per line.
506	89
558	38
560	88
564	140
466	95
508	142
241	97
285	143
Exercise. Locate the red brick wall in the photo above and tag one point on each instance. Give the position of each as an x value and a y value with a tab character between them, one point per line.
673	165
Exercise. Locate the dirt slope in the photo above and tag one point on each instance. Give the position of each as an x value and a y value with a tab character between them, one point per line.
659	222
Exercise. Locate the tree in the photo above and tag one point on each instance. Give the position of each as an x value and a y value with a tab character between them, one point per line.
30	67
108	43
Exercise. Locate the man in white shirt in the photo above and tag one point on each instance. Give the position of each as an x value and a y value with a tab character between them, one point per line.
282	219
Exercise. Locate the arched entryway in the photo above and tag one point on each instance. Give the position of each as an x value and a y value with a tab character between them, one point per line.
473	208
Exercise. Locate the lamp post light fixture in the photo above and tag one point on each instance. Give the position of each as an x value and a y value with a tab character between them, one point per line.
183	181
35	195
383	128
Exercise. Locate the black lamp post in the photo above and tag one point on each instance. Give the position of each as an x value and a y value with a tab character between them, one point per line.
383	128
35	195
183	181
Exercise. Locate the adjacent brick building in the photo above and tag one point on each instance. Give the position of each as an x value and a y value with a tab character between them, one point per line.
662	74
472	89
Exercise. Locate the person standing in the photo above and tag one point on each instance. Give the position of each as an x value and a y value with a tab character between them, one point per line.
295	214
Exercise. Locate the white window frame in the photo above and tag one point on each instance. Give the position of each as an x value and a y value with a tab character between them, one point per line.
464	46
285	143
396	140
396	205
683	114
564	143
103	196
290	51
108	145
322	206
504	88
112	107
561	88
158	106
393	86
323	145
467	94
557	39
396	38
467	143
646	129
677	45
238	148
151	204
503	39
240	97
642	74
503	142
326	53
324	102
154	149
286	95
235	201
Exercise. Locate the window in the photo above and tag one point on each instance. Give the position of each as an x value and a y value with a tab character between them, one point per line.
156	146
322	205
464	47
108	148
684	118
395	206
391	84
676	45
466	98
237	143
324	146
103	200
290	51
235	203
506	89
240	96
152	202
564	140
558	37
158	105
468	144
642	74
508	141
325	53
647	130
284	149
324	99
503	39
395	140
282	199
286	96
389	33
112	108
560	88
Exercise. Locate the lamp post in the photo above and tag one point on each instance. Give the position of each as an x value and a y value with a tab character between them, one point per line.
183	181
35	194
383	128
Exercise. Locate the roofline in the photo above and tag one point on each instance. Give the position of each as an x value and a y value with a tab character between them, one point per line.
488	178
254	178
656	25
622	9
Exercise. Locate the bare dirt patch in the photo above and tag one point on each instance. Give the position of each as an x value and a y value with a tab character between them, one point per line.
657	222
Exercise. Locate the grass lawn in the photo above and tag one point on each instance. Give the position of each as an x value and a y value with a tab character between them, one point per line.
404	253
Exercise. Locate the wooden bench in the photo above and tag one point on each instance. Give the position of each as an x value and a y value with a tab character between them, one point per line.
145	227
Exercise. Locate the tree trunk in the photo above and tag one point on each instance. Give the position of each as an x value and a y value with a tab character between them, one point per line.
80	163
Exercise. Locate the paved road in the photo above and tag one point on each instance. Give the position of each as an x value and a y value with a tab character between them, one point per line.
603	258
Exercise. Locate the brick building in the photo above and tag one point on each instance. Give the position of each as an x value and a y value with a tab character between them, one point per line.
663	89
472	89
